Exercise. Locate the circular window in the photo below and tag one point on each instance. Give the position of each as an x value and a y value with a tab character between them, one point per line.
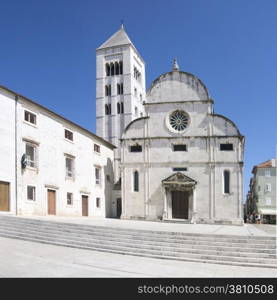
179	120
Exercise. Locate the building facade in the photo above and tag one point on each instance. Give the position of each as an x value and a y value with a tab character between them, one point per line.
49	165
261	198
178	160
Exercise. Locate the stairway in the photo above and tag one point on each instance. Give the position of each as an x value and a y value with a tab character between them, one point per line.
220	249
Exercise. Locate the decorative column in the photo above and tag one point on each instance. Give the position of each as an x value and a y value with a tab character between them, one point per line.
165	203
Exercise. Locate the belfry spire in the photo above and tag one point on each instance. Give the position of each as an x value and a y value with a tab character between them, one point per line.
175	66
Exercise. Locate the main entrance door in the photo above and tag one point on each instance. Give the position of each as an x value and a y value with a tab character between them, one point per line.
180	204
51	195
4	196
84	205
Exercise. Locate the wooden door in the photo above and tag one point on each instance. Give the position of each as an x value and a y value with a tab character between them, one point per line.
180	204
84	206
118	208
51	202
4	196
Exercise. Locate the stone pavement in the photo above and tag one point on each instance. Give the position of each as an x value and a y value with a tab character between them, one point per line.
27	259
245	230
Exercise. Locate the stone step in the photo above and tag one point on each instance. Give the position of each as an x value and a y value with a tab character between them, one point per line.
150	253
130	244
144	233
135	241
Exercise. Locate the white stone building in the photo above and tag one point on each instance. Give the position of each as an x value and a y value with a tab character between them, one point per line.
179	160
49	165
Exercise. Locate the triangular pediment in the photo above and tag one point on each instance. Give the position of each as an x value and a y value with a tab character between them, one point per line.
117	39
179	178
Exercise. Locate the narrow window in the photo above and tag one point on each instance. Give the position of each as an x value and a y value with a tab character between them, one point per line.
135	92
136	111
106	109
136	181
31	153
108	70
98	202
69	167
68	134
69	198
97	175
110	90
108	178
226	147
136	148
226	182
31	193
118	89
121	67
106	90
122	108
96	148
118	107
30	117
109	108
179	147
140	97
121	88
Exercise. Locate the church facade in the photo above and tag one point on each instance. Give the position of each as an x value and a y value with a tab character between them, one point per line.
177	159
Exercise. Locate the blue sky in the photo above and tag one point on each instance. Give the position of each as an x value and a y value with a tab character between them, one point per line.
47	53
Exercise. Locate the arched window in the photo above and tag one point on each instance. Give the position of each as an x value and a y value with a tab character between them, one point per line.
110	109
118	89
116	68
106	109
136	181
110	90
226	176
122	108
121	88
106	90
108	70
120	67
118	107
112	69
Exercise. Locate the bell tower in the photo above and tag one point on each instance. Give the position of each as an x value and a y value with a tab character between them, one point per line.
120	88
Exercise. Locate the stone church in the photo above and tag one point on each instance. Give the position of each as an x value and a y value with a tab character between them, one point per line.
176	160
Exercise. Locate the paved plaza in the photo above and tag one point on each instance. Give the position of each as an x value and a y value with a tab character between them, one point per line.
28	259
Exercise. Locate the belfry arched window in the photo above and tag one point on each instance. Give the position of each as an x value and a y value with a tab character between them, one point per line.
120	67
118	107
136	181
226	179
108	70
116	68
112	69
122	107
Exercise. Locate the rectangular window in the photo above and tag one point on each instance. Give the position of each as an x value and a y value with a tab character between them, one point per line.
31	153
179	147
108	178
31	193
268	187
69	164
30	117
268	201
69	198
97	175
98	202
96	148
68	134
179	169
267	173
226	147
135	148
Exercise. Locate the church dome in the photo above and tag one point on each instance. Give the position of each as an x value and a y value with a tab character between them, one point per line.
177	86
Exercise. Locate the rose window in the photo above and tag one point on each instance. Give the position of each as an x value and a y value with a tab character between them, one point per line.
179	120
